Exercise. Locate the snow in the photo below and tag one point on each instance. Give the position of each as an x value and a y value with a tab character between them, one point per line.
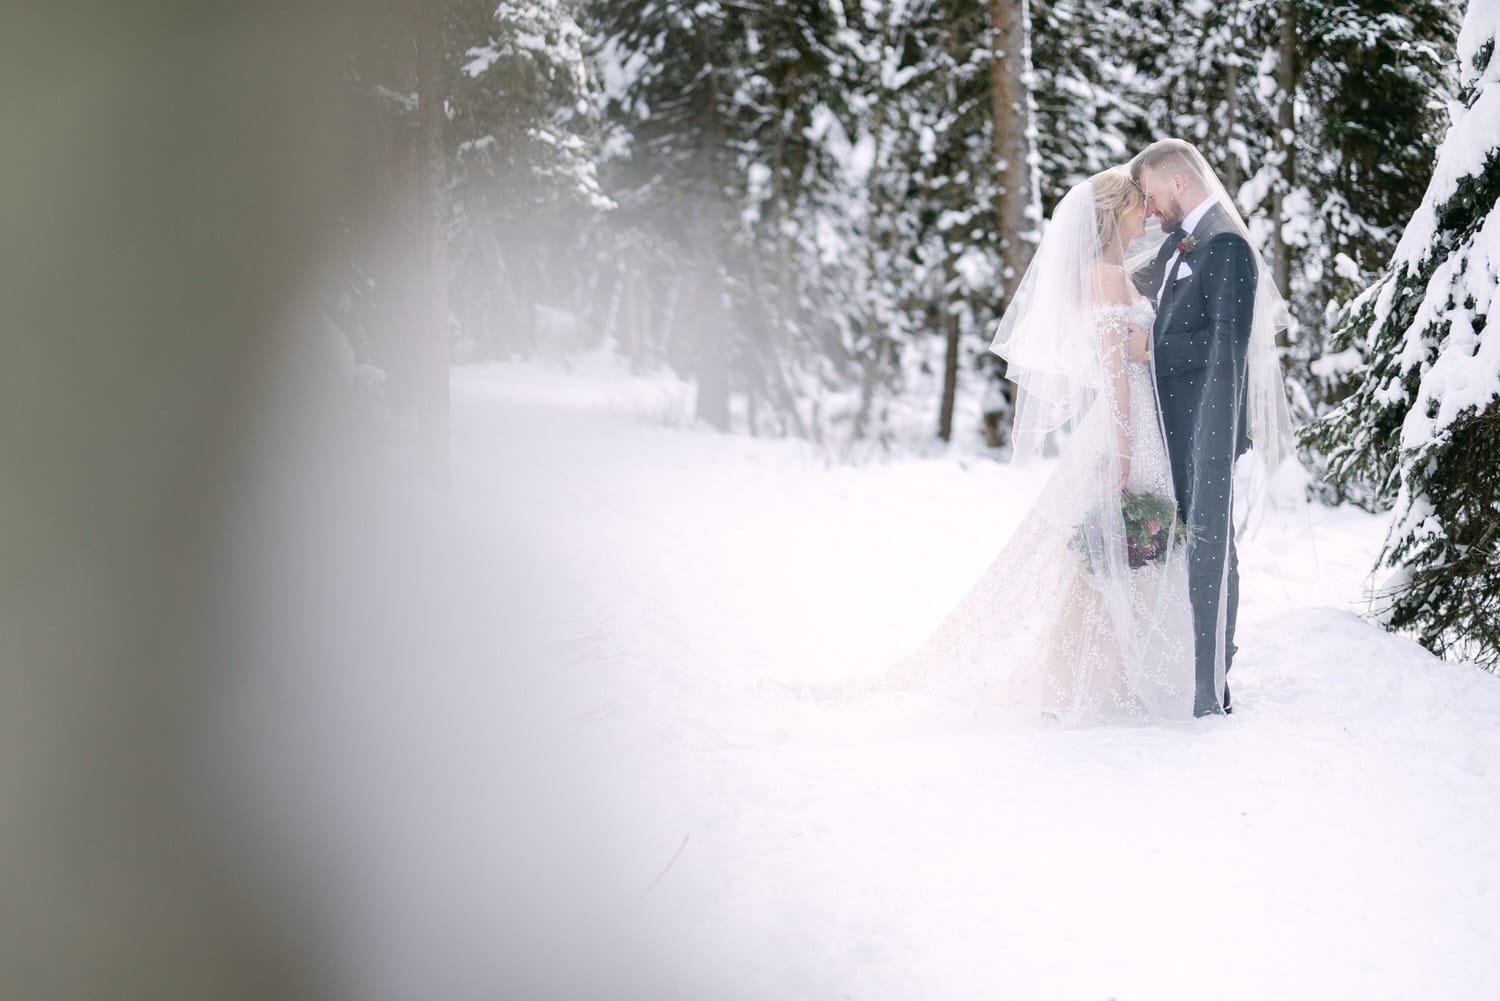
652	810
1331	839
1344	267
1460	369
1481	25
1475	133
481	58
1466	373
1336	364
1462	153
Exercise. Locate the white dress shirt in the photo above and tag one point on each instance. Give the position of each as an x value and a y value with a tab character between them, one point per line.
1192	219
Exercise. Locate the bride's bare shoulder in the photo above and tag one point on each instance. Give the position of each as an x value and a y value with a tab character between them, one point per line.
1112	285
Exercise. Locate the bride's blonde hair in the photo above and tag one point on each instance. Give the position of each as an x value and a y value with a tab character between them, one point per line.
1114	195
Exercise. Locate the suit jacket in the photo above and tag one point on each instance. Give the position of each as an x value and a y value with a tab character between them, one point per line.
1201	338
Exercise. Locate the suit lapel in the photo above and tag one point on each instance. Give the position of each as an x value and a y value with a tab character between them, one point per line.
1206	227
1156	276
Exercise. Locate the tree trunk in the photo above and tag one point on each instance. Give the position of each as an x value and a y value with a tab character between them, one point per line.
432	187
708	315
785	295
1232	106
1009	66
950	366
1286	80
877	340
950	336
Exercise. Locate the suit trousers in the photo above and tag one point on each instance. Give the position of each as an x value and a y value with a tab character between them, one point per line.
1202	461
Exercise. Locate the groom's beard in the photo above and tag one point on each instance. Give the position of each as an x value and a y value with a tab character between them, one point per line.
1172	214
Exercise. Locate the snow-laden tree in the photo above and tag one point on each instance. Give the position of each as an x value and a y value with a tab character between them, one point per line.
1422	426
485	112
730	154
674	72
1089	100
950	205
523	106
943	176
793	278
1369	83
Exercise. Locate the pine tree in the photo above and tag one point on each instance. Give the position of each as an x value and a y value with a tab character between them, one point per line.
1319	117
1370	79
523	105
1089	101
792	284
727	125
940	236
1422	425
495	173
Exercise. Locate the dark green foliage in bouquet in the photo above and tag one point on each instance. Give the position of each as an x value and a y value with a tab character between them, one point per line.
1150	523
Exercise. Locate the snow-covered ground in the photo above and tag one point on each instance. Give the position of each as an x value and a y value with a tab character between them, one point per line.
670	821
1335	838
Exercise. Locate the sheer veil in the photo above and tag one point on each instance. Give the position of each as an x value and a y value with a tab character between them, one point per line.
1071	617
1266	417
1223	401
1115	597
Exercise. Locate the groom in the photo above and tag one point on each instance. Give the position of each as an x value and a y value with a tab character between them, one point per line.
1203	281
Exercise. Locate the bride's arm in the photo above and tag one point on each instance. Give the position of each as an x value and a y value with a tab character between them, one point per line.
1114	338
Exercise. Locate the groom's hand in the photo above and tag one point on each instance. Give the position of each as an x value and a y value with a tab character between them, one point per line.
1138	344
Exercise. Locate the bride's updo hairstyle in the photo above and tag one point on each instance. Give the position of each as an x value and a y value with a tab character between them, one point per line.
1114	195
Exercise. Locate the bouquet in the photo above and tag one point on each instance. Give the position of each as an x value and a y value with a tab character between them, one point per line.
1149	521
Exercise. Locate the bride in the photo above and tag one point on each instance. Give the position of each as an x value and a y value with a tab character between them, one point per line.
1084	615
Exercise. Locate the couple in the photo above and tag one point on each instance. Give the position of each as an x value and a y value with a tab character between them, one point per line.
1150	363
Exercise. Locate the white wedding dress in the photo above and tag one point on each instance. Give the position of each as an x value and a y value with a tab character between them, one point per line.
1042	634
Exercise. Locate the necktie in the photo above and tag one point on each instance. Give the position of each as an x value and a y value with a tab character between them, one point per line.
1174	234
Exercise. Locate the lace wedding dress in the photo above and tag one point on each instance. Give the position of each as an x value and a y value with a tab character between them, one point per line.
1043	631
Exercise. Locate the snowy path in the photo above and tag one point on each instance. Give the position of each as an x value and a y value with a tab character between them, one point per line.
1335	838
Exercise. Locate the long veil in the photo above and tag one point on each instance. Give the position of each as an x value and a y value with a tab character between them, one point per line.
1265	416
1084	613
1222	395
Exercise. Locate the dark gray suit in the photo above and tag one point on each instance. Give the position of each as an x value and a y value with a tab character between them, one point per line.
1200	345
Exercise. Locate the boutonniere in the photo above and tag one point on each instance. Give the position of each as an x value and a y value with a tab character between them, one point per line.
1187	243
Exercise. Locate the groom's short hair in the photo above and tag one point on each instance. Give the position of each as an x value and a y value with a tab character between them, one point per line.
1172	156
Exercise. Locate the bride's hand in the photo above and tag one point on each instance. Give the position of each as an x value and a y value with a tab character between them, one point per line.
1138	343
1124	469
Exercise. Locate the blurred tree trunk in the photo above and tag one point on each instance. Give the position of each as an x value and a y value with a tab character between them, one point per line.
129	442
877	338
432	192
709	317
1286	81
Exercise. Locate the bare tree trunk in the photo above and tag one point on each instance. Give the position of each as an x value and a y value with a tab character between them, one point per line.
950	337
1009	24
785	294
706	310
1286	80
1232	106
432	180
876	338
1010	64
950	365
708	313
